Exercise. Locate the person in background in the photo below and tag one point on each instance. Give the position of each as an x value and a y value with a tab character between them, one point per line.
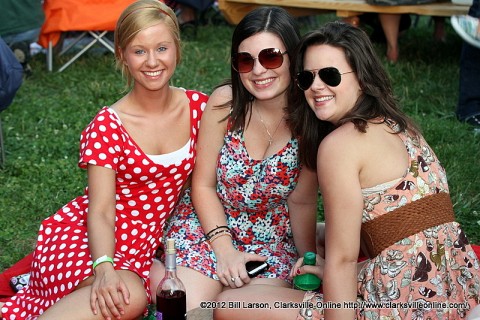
20	24
391	25
251	199
188	13
11	75
377	176
93	257
468	28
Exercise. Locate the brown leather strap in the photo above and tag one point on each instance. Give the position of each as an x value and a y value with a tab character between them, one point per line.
414	217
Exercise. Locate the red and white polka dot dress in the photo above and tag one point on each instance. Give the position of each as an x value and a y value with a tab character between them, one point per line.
146	193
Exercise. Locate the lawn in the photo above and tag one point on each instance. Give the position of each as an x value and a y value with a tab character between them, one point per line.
42	127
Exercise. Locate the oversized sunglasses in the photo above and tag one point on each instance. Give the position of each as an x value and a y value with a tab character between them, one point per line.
330	76
269	58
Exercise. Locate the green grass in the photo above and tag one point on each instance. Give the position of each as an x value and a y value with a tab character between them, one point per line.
42	127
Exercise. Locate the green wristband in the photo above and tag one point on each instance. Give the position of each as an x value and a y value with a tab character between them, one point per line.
102	259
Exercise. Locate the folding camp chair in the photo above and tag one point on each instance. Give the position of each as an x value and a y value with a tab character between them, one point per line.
92	18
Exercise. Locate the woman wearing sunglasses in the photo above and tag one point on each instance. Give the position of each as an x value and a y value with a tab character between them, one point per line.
247	172
384	193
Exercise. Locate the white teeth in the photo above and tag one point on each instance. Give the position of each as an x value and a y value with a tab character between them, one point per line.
321	99
153	74
264	81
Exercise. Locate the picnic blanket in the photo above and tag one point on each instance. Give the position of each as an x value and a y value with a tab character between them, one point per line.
23	266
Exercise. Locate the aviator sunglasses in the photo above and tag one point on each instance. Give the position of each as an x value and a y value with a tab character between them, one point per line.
330	76
269	58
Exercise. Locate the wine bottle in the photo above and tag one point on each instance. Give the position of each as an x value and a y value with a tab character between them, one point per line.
307	281
171	295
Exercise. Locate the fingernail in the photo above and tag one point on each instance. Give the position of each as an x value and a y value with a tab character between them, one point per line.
298	271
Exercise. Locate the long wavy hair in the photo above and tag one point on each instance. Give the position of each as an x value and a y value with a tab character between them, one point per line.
272	19
376	101
136	17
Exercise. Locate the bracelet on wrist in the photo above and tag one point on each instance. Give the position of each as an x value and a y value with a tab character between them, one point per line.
100	260
218	235
218	229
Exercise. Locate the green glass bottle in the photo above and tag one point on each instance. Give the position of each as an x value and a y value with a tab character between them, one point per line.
307	281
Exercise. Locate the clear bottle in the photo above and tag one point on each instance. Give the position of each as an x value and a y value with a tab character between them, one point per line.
307	281
171	295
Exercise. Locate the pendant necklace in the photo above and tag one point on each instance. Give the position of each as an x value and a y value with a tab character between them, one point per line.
270	136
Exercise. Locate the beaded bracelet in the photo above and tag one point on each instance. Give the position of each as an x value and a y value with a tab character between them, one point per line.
218	235
209	235
100	260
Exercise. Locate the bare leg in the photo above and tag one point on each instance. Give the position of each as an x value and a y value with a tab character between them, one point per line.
76	305
258	293
391	25
1	305
321	239
439	33
199	287
187	14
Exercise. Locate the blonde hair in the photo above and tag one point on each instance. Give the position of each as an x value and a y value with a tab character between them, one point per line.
136	17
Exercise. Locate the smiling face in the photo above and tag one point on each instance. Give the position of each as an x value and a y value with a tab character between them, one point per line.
151	57
330	103
263	83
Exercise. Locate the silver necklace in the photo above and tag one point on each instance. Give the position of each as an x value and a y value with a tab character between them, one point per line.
270	136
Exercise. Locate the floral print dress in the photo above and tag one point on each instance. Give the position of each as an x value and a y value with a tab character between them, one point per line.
254	196
435	273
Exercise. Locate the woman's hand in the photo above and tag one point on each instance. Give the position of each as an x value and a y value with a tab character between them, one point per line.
110	291
231	267
317	269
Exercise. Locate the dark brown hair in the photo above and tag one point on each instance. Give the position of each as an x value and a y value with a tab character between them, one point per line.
376	101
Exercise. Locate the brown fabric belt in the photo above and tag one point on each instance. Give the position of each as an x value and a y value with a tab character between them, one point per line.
384	231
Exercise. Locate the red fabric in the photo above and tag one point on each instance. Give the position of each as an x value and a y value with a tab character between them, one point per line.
21	267
79	15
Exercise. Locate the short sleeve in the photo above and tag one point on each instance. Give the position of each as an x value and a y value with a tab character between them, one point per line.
101	141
